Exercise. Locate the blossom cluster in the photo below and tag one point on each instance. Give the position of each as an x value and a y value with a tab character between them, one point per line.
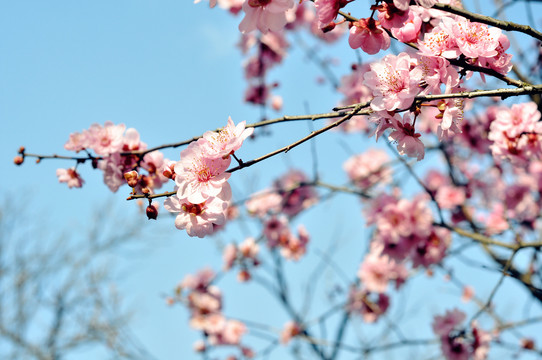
204	301
116	153
457	343
203	193
245	254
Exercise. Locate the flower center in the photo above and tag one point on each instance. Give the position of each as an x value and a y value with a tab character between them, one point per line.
194	209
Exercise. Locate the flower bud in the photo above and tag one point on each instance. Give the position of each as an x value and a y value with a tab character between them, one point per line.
152	212
328	27
131	178
243	275
18	160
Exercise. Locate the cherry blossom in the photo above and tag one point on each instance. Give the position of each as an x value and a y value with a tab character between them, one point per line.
265	15
368	169
393	84
405	136
71	177
200	176
197	219
225	142
327	10
369	36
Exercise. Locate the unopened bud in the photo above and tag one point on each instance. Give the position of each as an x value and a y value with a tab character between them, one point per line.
131	178
243	275
94	163
18	160
527	343
38	160
152	212
21	150
328	27
146	191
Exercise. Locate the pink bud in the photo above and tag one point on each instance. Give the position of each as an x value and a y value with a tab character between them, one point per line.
131	178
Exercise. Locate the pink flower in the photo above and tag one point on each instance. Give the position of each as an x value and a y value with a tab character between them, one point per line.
353	86
107	139
70	177
233	331
199	176
295	247
436	71
391	15
448	197
225	142
249	249
114	168
295	198
369	36
407	139
515	133
327	10
77	141
265	15
197	219
154	163
368	169
200	281
502	62
440	41
229	255
369	305
431	249
376	271
264	203
276	231
392	83
475	39
443	325
410	30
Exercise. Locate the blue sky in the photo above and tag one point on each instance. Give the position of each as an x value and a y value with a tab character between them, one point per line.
170	69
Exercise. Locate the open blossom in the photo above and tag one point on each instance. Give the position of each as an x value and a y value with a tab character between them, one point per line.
77	142
475	39
106	139
199	176
71	177
327	10
409	31
369	36
197	219
225	142
502	62
265	15
391	16
515	133
376	271
407	139
440	41
449	196
353	86
369	305
295	246
368	169
393	84
443	325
